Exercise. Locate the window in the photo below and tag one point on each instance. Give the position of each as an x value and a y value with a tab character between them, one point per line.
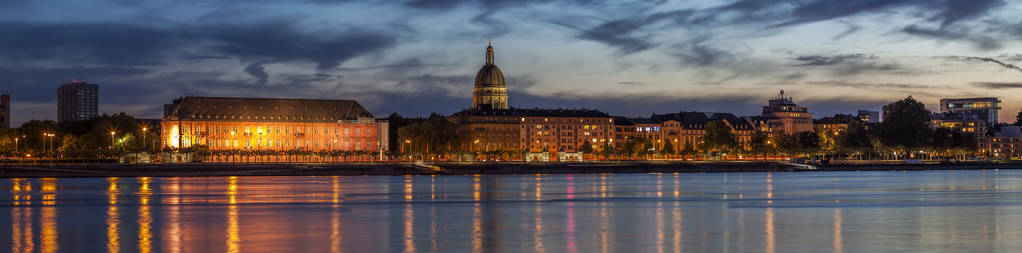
247	130
358	131
345	131
235	143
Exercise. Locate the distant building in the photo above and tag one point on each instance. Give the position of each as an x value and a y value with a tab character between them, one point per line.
869	117
985	108
836	124
5	110
1004	144
686	129
489	130
562	133
967	123
782	115
77	101
272	124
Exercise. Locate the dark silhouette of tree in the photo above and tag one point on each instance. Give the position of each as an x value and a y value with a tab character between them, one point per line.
905	125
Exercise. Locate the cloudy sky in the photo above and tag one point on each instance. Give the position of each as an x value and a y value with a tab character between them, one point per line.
413	57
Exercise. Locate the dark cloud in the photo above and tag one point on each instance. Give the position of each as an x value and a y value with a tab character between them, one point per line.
864	85
279	42
133	45
852	64
700	54
109	44
634	32
256	70
821	60
983	59
980	41
618	34
996	85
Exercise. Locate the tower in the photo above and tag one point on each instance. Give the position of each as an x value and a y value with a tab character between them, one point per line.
490	91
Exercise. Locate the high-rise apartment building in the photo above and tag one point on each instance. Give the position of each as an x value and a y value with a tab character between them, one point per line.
77	101
984	108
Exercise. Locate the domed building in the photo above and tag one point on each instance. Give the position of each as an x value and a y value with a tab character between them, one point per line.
490	91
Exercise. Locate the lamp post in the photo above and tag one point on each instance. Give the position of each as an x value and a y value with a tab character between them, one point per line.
145	145
16	144
112	133
44	142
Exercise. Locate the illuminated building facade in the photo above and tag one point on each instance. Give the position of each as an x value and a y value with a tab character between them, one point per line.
686	129
271	124
77	101
1005	144
560	132
489	130
782	115
836	124
985	108
967	123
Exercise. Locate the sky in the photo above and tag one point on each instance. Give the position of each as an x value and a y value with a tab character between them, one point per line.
414	57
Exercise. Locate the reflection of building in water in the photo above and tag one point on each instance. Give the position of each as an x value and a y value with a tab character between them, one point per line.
21	217
145	218
48	216
113	221
233	239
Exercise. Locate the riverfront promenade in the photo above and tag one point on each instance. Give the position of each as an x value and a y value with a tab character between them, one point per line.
453	168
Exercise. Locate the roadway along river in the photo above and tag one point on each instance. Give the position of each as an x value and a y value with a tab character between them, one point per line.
920	211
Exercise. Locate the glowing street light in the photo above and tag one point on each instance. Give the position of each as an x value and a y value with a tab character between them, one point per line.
112	133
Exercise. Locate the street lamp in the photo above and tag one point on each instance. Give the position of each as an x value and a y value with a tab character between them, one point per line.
112	133
145	131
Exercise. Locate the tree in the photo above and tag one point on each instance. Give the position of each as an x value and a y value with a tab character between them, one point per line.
668	148
435	135
855	138
760	143
587	148
689	149
905	125
718	137
1018	119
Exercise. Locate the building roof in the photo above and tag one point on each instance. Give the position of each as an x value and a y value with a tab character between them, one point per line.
837	119
537	112
264	109
698	120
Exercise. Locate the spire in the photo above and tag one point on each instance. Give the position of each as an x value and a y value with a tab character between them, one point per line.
489	53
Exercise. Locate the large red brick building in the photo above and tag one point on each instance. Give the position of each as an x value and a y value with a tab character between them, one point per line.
269	124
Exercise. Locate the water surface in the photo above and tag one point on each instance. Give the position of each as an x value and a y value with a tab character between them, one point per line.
933	211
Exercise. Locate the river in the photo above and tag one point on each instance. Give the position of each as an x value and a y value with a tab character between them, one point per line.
917	211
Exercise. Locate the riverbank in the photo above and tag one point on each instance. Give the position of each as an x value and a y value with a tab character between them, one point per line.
491	168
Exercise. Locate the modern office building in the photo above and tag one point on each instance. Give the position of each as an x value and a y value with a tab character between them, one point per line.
782	115
5	110
77	101
984	108
869	117
311	125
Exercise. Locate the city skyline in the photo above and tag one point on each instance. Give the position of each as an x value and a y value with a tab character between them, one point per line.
417	57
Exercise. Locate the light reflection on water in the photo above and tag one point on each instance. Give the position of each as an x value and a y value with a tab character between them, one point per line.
758	212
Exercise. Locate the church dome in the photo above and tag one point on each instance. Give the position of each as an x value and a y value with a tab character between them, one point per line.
489	75
489	91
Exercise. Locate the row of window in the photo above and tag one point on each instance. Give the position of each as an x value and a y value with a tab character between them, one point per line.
278	130
256	143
